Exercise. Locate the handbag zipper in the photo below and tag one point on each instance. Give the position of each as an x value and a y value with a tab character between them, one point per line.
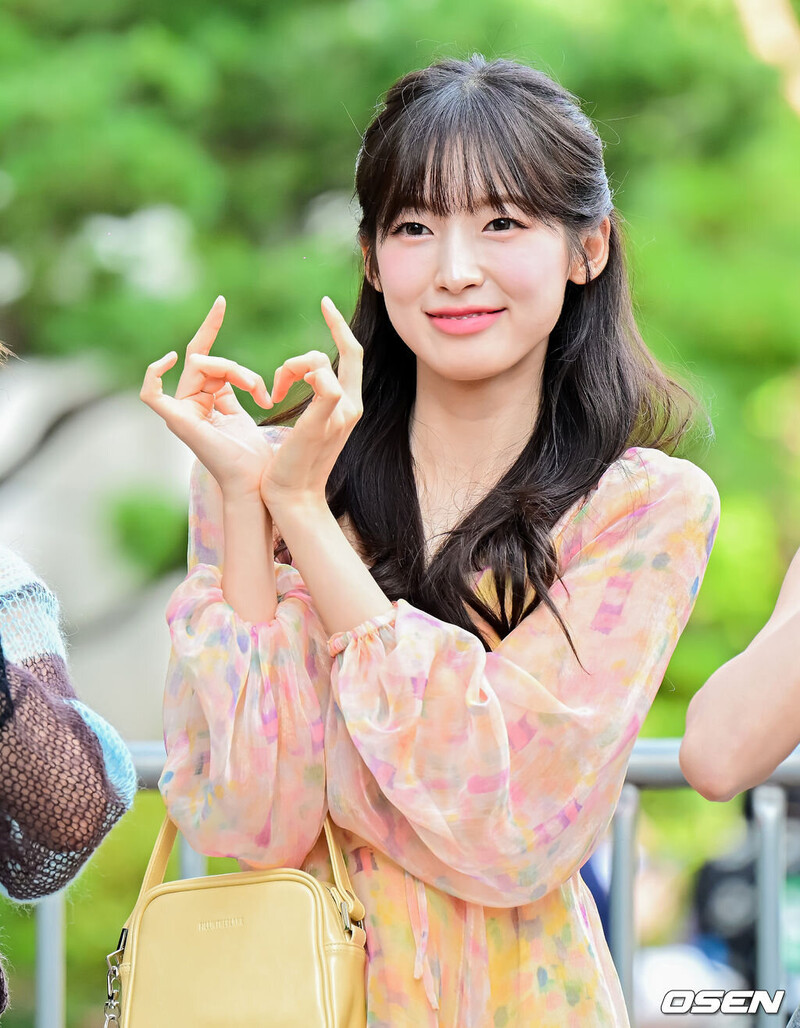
344	913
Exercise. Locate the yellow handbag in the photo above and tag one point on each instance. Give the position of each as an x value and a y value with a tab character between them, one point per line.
252	949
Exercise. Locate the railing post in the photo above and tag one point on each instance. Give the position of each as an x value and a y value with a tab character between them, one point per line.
51	993
191	864
149	760
623	877
769	812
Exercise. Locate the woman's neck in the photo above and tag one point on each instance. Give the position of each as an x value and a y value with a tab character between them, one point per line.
465	434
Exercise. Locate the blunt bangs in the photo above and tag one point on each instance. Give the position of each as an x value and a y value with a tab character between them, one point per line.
459	148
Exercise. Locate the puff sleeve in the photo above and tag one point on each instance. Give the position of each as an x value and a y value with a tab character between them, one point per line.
243	708
492	775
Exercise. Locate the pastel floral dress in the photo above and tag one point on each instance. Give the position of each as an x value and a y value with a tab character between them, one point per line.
468	787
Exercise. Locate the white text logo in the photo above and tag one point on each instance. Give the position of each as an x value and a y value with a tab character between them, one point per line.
713	1001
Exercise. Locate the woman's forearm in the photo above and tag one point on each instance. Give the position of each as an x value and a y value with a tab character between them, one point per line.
344	592
746	718
248	576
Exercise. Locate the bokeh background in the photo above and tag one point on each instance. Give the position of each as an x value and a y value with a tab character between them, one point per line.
154	155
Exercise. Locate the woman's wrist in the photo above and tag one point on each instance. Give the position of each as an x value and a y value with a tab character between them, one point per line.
297	506
235	494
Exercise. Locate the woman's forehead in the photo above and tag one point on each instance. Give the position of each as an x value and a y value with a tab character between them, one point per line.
454	178
459	205
461	174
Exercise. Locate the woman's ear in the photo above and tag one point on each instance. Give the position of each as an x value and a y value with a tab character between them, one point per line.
595	247
373	280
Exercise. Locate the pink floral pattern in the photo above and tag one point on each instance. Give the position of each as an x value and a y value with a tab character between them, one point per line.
467	787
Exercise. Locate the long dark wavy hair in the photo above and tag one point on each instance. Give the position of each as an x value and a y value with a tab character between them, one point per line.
457	135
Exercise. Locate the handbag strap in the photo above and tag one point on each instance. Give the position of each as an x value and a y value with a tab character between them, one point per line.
355	907
157	866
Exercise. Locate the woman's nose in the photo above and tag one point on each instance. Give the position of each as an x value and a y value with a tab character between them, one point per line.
458	263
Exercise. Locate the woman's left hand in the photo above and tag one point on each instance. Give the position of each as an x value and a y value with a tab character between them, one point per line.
298	469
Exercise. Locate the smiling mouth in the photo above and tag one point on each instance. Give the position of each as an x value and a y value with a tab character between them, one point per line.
465	317
468	321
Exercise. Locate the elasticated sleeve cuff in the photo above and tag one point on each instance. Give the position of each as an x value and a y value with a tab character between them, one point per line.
341	640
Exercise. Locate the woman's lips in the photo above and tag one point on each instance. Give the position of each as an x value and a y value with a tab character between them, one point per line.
462	323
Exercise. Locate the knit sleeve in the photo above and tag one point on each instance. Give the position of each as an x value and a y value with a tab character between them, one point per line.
67	775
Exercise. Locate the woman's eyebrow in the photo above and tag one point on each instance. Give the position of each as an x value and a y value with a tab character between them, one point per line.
497	202
415	209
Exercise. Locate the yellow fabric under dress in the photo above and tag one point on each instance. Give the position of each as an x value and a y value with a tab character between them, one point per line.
437	960
467	788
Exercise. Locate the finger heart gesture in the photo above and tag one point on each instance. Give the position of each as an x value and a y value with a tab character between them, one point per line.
205	412
299	468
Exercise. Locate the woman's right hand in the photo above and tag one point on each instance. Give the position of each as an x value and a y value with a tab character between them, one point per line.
205	413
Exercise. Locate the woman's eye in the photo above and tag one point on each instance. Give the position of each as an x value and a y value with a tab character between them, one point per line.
504	224
410	228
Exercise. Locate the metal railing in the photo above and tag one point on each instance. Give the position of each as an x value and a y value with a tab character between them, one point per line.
653	765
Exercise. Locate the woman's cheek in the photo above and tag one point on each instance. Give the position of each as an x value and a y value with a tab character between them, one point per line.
538	271
403	273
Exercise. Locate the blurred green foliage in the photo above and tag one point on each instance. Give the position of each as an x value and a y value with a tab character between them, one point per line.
153	156
150	530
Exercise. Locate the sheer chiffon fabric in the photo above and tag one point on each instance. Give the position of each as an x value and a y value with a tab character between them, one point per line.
467	787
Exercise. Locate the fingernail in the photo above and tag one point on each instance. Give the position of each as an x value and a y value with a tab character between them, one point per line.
328	302
220	297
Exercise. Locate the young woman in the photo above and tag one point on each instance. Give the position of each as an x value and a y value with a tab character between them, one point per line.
480	575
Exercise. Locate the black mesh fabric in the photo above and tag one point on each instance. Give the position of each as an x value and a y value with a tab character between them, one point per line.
56	803
6	710
56	799
6	705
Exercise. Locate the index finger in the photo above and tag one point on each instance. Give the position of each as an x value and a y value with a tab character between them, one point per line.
351	354
203	339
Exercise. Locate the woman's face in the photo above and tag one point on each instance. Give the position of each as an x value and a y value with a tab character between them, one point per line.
475	295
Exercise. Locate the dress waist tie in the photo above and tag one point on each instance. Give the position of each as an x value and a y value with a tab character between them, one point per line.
417	904
473	1000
